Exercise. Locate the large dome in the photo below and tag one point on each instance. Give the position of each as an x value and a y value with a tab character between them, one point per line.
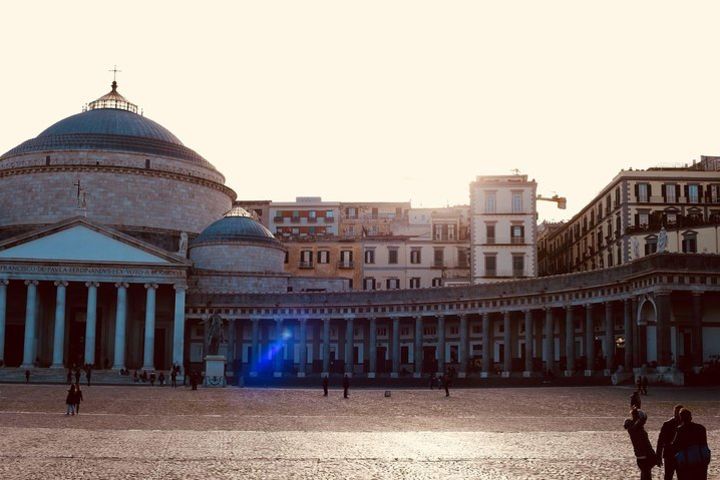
111	123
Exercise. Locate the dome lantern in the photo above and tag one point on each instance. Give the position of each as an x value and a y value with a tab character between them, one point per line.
113	99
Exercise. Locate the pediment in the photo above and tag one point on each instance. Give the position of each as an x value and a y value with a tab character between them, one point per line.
82	241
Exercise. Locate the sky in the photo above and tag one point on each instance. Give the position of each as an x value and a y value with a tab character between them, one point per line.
383	100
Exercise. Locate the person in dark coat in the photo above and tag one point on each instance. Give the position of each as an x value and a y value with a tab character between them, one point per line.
446	384
665	453
346	385
325	383
27	376
77	376
69	377
173	378
88	374
638	384
635	401
688	435
78	398
433	379
644	385
194	380
70	400
644	454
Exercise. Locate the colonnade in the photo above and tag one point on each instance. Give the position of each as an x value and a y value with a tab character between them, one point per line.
121	314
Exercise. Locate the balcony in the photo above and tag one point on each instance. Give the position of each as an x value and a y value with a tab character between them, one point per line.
312	220
346	265
278	219
306	265
329	219
294	219
517	240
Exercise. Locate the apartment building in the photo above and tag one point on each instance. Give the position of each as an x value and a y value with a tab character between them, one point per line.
634	213
503	228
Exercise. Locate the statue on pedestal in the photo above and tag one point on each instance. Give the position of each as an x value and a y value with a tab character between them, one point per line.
183	248
214	334
662	240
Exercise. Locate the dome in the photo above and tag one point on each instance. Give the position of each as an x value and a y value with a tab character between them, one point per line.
236	226
110	123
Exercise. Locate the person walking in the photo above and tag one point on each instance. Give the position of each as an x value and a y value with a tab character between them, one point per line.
635	401
638	384
665	453
644	454
27	376
346	385
78	398
644	385
70	400
88	374
446	384
77	376
69	377
433	378
173	378
193	380
692	455
325	383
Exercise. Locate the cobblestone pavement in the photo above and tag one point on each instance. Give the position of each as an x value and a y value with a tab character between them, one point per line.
164	433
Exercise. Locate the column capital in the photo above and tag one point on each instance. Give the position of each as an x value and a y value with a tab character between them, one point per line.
418	317
58	283
92	284
180	286
4	283
31	282
439	316
154	286
122	284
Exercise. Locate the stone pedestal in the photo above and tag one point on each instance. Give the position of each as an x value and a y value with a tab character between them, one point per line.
416	375
588	373
461	374
394	375
527	374
301	374
568	373
607	372
505	374
215	371
484	375
371	375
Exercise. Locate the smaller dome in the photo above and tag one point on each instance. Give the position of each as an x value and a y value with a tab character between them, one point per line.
236	226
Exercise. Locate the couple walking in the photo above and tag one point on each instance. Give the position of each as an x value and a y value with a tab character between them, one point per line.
73	399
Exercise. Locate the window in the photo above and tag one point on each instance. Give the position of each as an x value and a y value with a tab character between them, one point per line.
714	193
415	257
381	332
490	266
351	212
689	242
430	331
392	283
462	257
617	197
370	256
346	258
438	232
437	282
404	332
392	255
287	257
490	232
670	192
643	220
312	215
518	265
670	218
642	191
415	282
451	232
306	257
489	202
323	256
650	244
693	193
610	259
517	203
368	283
439	257
374	212
517	234
329	216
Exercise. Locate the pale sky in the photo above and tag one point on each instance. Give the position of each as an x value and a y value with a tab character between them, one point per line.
383	100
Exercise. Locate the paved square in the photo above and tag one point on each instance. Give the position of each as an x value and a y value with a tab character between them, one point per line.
162	433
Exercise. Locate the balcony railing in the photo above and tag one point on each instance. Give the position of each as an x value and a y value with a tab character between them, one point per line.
306	265
517	240
346	264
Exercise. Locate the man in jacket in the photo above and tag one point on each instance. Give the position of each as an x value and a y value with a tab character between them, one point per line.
644	454
664	452
691	436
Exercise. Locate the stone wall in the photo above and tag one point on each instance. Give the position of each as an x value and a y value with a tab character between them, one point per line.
238	257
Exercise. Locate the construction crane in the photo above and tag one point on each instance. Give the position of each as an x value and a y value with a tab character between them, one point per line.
561	201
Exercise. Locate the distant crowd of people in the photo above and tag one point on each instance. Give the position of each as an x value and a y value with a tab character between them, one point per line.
681	445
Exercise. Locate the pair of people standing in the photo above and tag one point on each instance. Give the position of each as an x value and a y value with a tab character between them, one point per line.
682	445
346	385
73	399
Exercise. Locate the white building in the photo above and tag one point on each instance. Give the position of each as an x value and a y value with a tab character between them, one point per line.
503	228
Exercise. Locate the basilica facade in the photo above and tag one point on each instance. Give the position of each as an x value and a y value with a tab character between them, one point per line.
117	243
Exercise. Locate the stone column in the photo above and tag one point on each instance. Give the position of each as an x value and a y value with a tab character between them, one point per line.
609	339
589	340
418	340
462	351
441	344
697	331
507	341
549	340
120	326
30	324
179	327
90	323
395	347
278	348
326	346
664	350
569	341
149	351
372	361
487	345
254	358
3	313
627	326
349	345
59	334
528	344
302	367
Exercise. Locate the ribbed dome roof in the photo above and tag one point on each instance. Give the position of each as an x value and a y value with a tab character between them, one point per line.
110	124
237	226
